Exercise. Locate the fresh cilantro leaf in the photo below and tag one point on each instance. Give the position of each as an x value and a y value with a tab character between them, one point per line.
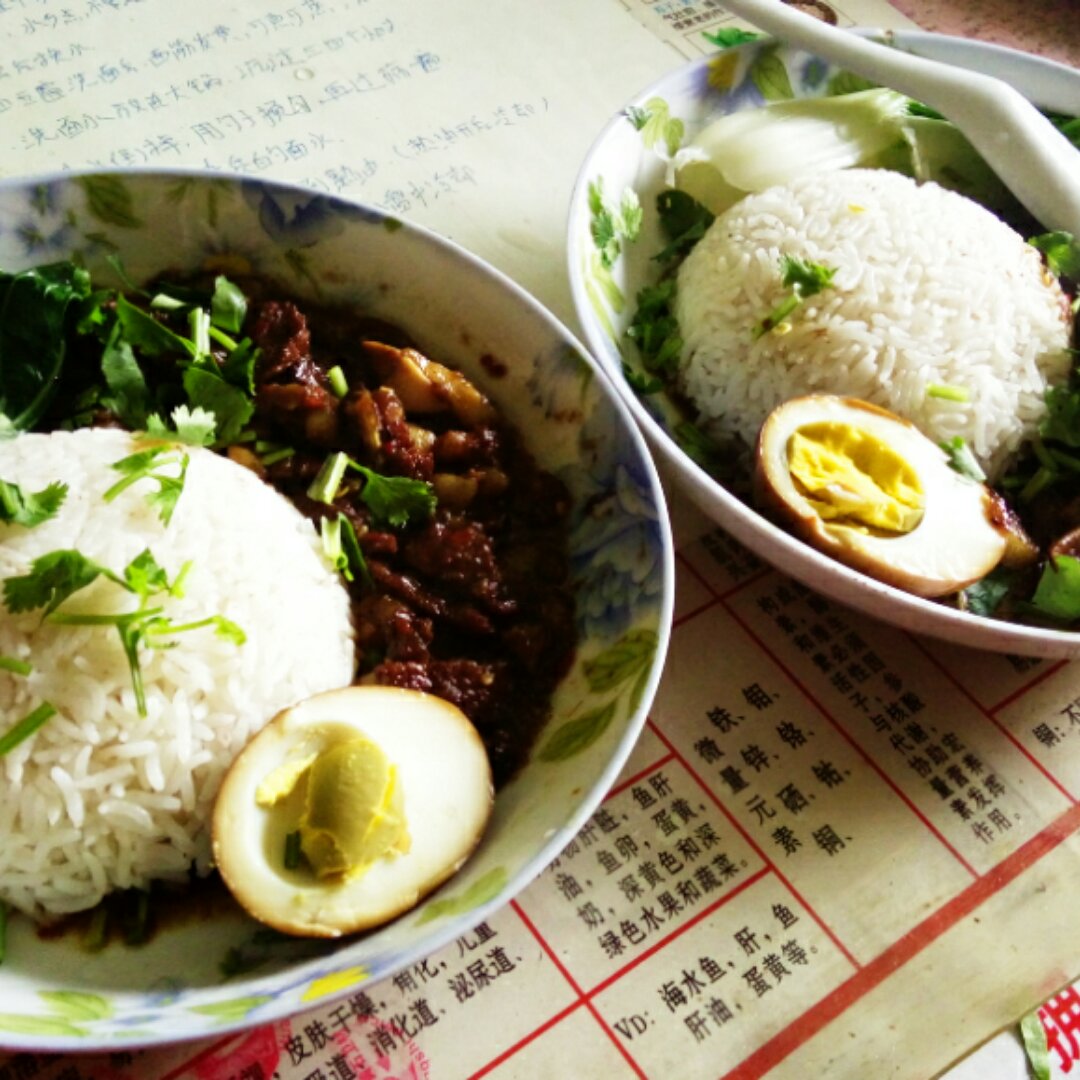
146	465
917	108
195	427
144	576
34	325
1058	593
396	500
26	727
18	507
697	445
985	596
639	383
1062	420
803	279
228	306
239	366
142	331
961	459
656	330
684	221
232	408
729	37
51	580
1061	251
129	396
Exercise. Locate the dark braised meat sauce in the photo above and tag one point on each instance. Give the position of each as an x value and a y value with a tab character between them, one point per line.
473	602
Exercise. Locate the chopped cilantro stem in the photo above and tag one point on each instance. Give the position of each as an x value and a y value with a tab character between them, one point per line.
278	455
145	465
292	850
26	727
948	393
222	338
804	279
338	383
137	922
15	666
96	933
325	486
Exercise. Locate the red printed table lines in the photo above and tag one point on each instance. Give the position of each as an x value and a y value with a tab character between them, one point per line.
801	686
990	713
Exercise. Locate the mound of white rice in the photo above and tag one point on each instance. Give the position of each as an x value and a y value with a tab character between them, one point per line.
930	290
101	798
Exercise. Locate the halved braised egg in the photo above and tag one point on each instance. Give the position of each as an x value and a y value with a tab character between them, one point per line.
349	807
868	488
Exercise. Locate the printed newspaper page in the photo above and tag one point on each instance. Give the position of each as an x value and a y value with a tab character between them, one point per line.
837	849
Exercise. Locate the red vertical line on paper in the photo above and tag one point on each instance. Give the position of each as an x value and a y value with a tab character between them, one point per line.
631	780
1042	676
903	950
533	1035
760	852
844	734
565	972
700	609
586	997
213	1048
995	721
723	594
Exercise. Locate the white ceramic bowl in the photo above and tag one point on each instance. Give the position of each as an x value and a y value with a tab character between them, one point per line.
56	996
620	159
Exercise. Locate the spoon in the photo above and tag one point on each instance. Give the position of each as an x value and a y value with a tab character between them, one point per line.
1032	158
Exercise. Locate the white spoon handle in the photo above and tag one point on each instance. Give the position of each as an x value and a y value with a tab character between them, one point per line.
1034	160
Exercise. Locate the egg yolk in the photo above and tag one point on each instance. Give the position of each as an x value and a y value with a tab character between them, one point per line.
853	479
352	809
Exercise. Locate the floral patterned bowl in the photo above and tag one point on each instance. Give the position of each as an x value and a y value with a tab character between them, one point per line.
55	995
626	168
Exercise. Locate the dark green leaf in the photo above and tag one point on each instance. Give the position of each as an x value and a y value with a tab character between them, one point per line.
34	306
639	383
656	330
142	331
1058	592
575	735
144	576
24	728
128	396
228	306
239	366
18	507
985	596
1061	251
395	500
684	221
51	580
232	408
1062	420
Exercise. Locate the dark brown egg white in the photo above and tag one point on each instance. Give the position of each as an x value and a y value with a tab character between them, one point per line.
869	489
350	807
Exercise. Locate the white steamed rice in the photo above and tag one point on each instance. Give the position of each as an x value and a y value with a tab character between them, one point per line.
930	290
99	798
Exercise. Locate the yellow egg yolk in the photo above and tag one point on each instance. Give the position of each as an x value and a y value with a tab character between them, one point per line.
352	809
853	479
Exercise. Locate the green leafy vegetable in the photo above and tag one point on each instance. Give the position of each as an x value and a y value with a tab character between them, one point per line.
1033	1035
961	459
684	221
984	597
395	500
228	306
147	465
58	575
142	331
34	309
1061	251
208	390
641	384
128	396
803	279
1058	593
18	507
656	330
195	427
239	366
24	728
